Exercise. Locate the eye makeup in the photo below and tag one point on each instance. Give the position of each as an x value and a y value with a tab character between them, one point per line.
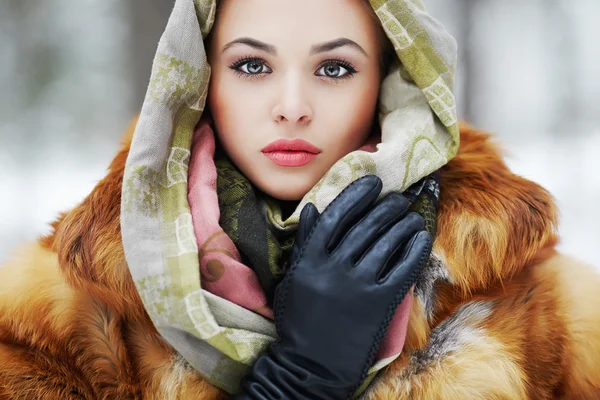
245	65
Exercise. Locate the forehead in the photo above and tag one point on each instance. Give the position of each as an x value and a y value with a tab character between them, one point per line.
292	21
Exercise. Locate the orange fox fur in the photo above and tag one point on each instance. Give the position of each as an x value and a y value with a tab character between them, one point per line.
500	314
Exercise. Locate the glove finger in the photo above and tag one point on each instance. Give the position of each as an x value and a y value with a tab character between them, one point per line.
366	232
346	209
404	274
308	218
390	248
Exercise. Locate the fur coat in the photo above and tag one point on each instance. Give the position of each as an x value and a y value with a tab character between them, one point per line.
498	312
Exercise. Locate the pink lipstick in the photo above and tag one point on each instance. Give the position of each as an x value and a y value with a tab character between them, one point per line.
291	153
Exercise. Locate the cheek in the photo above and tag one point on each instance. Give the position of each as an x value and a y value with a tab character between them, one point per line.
229	108
350	121
220	99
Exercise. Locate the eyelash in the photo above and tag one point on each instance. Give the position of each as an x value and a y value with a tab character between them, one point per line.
235	66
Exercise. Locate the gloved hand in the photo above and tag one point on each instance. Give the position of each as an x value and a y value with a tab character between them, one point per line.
349	270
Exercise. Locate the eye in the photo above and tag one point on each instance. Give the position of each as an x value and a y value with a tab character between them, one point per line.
336	69
253	67
250	67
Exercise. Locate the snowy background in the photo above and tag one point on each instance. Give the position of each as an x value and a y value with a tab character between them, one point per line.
73	73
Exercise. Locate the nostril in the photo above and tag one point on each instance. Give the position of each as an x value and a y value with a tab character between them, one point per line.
304	118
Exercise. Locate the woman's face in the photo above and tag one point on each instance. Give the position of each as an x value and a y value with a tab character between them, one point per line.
304	73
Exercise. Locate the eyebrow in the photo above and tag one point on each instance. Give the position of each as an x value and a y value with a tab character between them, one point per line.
257	44
334	44
315	49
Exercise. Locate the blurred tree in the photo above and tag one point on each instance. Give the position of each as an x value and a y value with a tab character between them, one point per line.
148	20
562	62
465	22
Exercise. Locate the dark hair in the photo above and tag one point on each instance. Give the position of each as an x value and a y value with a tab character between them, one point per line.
387	52
387	56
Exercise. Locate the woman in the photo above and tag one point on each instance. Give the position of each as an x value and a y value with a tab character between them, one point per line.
108	306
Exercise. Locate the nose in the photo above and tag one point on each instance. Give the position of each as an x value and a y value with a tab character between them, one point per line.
292	105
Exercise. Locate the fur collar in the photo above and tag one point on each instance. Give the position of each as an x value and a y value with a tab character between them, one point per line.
491	225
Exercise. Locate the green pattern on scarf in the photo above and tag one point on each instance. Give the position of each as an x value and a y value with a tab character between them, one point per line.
266	249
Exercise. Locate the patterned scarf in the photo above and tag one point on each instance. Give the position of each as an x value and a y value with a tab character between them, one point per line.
178	266
243	256
266	249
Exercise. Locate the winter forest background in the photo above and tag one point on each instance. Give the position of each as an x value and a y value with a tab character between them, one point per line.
73	74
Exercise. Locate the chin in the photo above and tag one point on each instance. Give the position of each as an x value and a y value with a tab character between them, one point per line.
287	190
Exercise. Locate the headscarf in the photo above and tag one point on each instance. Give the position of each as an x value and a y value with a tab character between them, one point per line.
419	134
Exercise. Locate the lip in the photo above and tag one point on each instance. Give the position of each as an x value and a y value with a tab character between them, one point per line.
290	158
291	145
291	153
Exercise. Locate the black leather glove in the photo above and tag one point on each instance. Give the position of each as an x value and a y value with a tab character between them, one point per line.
348	273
